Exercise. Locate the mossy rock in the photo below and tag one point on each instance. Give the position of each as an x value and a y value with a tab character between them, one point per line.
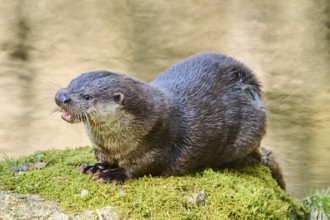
248	192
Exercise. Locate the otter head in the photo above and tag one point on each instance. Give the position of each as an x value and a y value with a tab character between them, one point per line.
91	98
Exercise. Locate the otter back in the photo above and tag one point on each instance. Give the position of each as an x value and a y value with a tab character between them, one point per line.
222	108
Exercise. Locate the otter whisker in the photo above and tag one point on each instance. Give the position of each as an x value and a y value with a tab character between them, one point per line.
91	113
55	110
87	118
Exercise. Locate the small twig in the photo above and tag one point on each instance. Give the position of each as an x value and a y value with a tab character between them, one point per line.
99	214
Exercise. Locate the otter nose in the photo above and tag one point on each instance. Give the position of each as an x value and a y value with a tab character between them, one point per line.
62	97
65	98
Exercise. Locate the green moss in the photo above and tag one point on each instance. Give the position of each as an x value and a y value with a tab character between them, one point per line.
245	193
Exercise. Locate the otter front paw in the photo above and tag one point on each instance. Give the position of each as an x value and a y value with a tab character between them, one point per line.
92	169
116	176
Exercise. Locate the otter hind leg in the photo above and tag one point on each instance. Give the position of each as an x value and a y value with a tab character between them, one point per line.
265	157
269	160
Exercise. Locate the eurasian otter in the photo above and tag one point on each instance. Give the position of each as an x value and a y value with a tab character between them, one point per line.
206	111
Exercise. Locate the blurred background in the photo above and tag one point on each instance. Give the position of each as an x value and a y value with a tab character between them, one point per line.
44	44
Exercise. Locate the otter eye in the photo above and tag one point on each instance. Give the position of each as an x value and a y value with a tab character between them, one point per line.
87	97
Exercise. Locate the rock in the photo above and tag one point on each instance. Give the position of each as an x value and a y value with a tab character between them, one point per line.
18	206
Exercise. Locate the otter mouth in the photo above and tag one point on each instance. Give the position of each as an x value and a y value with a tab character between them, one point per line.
71	118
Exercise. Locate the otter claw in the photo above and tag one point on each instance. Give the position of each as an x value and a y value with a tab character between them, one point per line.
91	169
84	168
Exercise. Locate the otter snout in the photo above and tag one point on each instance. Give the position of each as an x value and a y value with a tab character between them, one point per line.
62	97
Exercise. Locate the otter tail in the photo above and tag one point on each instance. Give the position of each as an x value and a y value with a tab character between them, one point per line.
269	160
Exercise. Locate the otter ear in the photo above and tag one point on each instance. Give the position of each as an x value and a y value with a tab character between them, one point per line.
118	97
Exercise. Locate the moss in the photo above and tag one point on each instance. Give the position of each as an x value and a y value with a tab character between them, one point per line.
243	193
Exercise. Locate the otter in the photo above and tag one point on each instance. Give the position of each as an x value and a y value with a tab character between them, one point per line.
205	112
